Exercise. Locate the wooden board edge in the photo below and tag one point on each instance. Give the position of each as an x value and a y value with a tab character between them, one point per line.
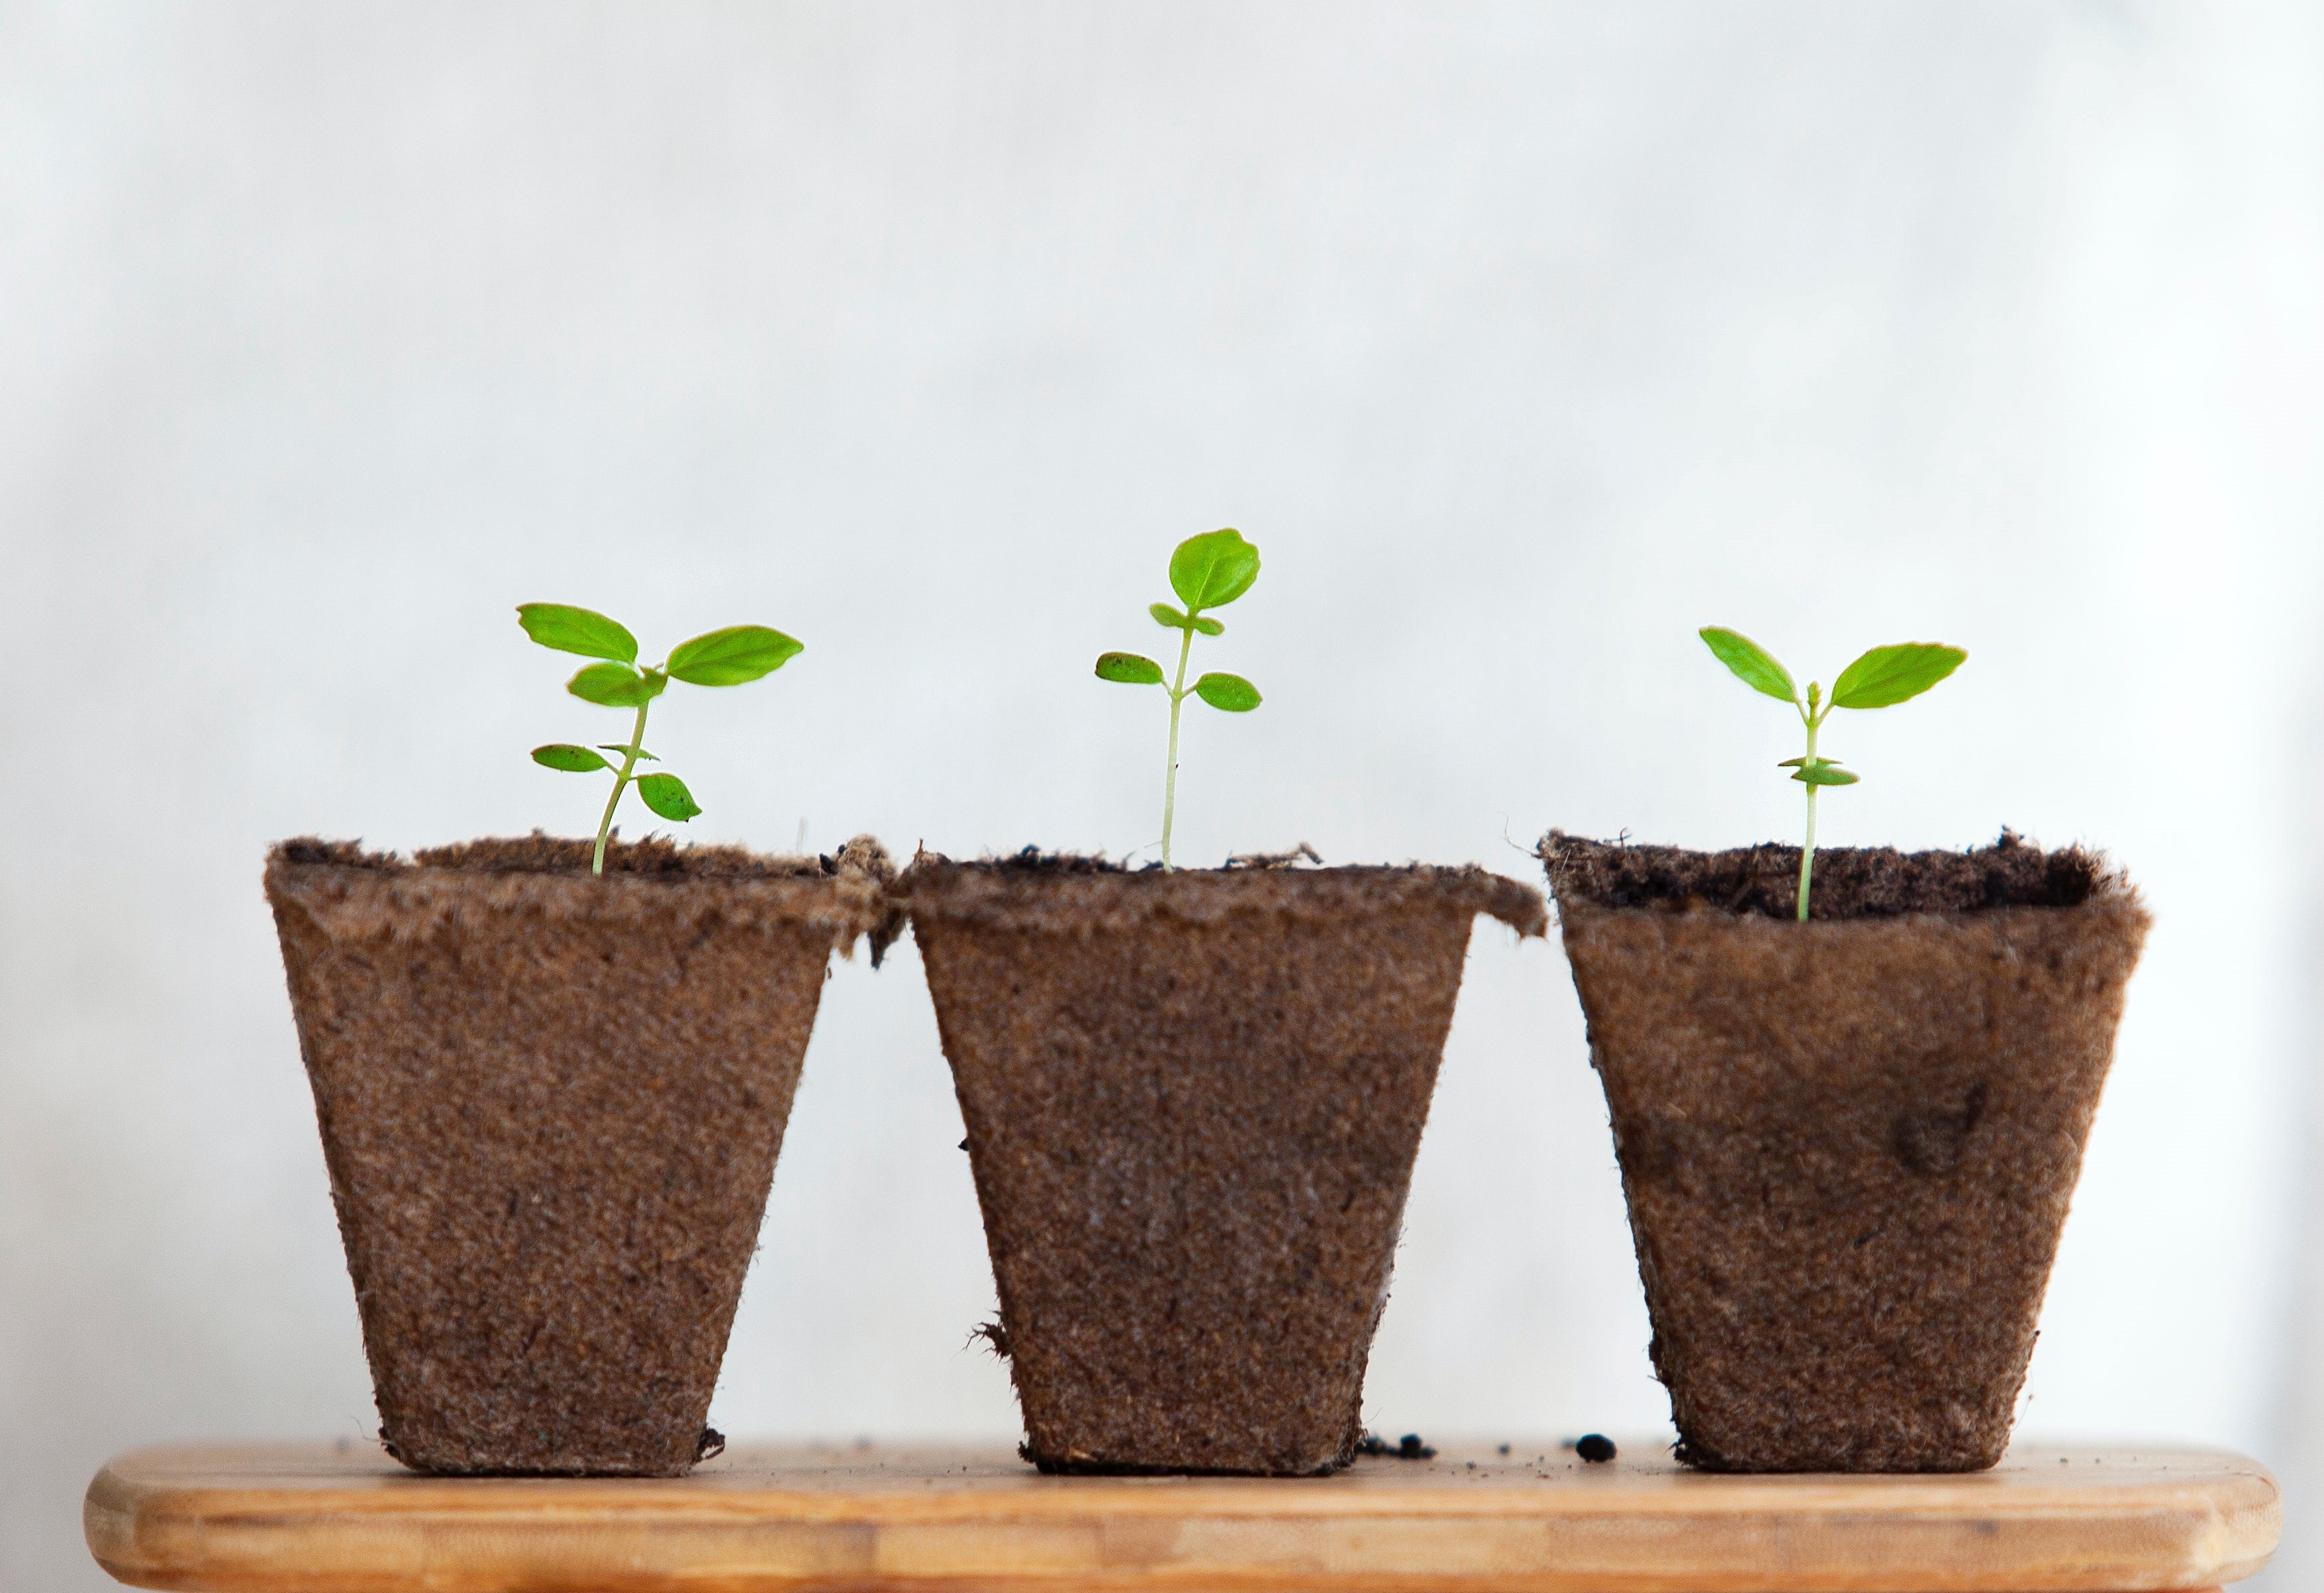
190	1538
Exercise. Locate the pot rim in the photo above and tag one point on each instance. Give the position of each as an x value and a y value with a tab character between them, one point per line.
356	893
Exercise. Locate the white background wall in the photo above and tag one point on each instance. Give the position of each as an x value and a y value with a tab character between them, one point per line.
1522	340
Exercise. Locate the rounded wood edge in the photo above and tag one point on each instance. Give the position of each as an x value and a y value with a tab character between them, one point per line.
2250	1525
109	1515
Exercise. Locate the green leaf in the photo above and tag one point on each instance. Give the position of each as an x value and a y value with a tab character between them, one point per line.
1129	670
1230	692
1208	626
617	685
569	758
1888	675
1211	570
624	748
666	795
1752	664
586	631
1822	773
732	657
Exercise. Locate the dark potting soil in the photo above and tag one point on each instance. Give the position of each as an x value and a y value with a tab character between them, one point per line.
1193	1102
656	856
1032	859
1849	882
551	1108
1848	1146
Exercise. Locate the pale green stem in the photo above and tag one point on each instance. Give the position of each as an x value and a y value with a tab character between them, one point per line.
1170	781
1807	852
621	784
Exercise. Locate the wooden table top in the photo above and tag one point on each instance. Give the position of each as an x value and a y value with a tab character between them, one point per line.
343	1518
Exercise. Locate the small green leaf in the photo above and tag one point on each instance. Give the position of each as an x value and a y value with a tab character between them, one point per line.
1752	664
1230	692
1888	675
1211	570
666	795
617	685
732	657
586	631
1165	615
569	758
1822	773
1129	670
624	748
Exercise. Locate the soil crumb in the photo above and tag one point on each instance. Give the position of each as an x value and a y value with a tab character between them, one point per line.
1303	853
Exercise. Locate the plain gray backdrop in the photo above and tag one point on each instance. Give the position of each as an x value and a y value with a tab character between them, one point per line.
1522	340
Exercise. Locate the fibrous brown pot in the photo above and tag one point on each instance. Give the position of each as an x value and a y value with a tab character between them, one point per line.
550	1106
1193	1102
1847	1144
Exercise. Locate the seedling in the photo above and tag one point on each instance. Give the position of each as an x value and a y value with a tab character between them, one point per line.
1207	572
1881	678
732	657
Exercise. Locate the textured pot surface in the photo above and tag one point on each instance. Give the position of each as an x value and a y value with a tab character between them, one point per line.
550	1107
1849	1145
1193	1102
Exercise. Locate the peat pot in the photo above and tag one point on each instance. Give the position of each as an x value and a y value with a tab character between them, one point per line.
550	1106
1193	1101
1847	1144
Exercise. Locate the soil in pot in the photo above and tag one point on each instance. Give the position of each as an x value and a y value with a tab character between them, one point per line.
1193	1102
1847	1144
550	1106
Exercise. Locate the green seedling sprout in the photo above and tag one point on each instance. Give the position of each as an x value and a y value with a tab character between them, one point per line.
732	657
1207	572
1881	678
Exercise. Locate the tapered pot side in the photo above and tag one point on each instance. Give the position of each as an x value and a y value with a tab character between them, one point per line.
1847	1144
1193	1101
550	1106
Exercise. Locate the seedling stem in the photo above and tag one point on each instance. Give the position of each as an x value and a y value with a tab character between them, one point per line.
637	745
1814	722
1170	781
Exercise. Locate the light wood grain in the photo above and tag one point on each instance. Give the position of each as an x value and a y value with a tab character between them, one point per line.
319	1518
